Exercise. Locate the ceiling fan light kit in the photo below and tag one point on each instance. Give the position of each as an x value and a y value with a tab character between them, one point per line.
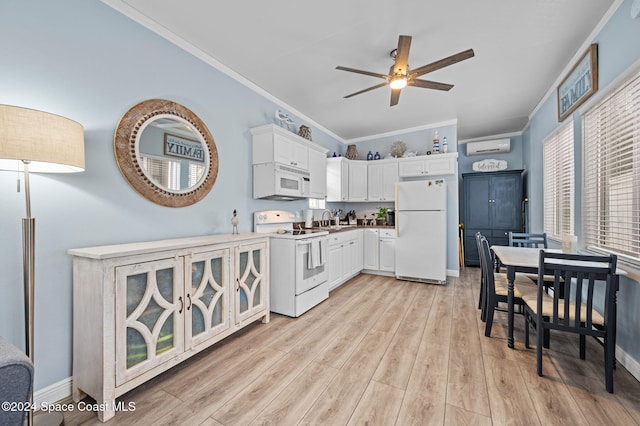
401	76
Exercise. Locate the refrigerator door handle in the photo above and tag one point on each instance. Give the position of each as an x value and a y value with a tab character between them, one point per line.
397	226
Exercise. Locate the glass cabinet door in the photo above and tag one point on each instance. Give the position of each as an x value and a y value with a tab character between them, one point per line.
149	316
208	308
251	282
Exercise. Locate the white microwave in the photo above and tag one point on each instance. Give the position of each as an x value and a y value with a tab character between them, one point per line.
274	181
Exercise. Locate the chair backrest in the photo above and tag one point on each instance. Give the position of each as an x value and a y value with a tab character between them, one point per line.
486	263
580	275
525	239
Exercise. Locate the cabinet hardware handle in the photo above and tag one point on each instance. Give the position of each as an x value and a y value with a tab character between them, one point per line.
189	305
238	286
181	304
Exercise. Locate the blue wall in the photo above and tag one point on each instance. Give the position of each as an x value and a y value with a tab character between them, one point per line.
618	51
85	61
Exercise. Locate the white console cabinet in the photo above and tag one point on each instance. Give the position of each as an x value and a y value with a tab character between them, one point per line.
141	308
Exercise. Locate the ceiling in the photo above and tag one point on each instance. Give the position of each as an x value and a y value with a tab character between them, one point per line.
290	49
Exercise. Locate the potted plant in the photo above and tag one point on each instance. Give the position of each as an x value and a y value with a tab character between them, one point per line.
381	216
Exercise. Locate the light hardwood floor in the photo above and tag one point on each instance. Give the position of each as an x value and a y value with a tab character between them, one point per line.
383	352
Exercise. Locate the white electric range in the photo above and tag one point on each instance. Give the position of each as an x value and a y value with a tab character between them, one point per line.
298	263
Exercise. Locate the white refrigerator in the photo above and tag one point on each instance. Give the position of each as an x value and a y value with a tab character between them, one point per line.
421	224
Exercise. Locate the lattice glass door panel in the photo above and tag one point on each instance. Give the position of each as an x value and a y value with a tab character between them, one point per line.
149	316
251	282
208	311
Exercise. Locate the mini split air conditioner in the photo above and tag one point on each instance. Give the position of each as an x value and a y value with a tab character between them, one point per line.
496	146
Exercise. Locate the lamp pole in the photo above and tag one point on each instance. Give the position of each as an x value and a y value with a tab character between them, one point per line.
28	273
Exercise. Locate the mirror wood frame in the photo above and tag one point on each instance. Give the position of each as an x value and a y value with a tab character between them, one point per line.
126	138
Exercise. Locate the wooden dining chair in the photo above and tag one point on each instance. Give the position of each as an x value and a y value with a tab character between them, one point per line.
482	294
496	285
525	239
580	275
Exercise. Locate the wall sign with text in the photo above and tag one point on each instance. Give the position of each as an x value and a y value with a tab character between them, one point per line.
177	146
579	84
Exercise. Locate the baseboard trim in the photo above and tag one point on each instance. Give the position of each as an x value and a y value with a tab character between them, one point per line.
453	272
53	393
632	365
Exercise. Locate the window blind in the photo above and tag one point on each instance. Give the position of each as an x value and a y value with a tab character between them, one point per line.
611	199
558	182
196	170
164	172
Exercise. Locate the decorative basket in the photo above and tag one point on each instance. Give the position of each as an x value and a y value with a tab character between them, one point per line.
305	132
352	153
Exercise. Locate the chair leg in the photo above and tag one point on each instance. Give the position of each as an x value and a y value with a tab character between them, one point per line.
539	339
490	307
609	357
527	324
483	301
583	346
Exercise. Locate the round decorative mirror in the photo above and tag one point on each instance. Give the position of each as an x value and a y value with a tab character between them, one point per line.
166	153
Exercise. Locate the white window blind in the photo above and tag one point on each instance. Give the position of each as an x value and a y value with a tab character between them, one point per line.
196	170
611	199
164	172
558	182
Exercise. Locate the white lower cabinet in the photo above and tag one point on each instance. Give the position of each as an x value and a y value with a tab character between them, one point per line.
371	249
140	309
379	250
387	253
345	256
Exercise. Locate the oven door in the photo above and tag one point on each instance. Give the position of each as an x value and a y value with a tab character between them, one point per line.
311	263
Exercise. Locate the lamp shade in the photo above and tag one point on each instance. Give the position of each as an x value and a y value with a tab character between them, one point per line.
49	142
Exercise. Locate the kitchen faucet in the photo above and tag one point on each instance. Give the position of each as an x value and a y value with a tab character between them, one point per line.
330	217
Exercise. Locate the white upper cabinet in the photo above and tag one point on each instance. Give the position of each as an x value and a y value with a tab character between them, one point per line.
357	181
317	174
428	165
337	179
382	176
290	152
275	144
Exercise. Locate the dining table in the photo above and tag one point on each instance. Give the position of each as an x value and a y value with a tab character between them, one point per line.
526	260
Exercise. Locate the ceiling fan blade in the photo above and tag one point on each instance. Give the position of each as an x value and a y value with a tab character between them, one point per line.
367	89
402	55
429	84
395	96
450	60
372	74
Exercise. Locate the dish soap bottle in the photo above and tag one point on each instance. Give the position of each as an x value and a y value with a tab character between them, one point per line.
436	143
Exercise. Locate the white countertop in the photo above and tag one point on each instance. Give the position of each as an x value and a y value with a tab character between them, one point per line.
128	249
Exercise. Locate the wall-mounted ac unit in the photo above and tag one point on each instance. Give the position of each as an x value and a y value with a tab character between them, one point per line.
496	146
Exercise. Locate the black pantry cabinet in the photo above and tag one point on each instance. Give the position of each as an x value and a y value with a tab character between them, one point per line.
493	206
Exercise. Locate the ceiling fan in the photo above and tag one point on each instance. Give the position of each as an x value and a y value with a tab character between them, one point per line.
400	75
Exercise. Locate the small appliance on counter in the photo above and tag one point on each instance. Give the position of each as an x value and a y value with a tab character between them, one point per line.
391	218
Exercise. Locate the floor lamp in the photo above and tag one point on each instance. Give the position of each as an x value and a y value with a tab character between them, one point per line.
38	142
